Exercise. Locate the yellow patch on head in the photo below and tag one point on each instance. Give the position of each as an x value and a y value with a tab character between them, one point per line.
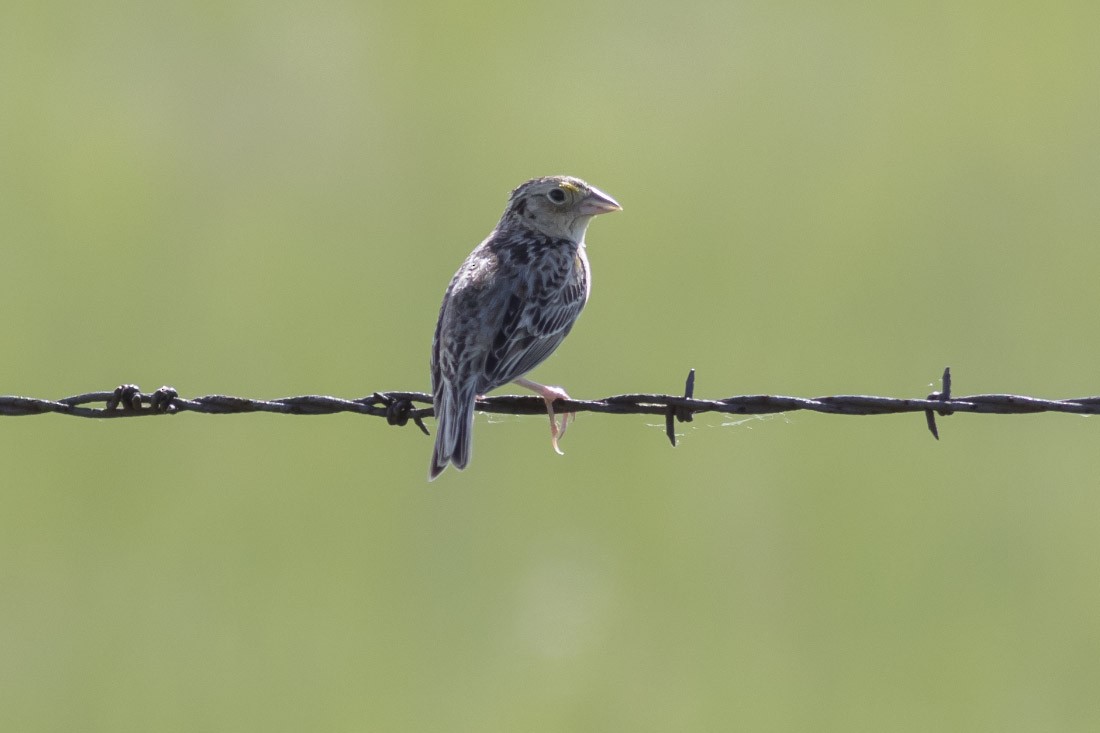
569	186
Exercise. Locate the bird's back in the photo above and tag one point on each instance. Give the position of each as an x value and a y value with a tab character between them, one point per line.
550	285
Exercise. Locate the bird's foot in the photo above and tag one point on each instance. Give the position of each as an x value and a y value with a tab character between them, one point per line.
549	394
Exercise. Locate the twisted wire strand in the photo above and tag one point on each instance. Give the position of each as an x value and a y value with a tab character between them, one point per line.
400	407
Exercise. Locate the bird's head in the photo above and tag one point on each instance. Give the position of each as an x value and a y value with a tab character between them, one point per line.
558	206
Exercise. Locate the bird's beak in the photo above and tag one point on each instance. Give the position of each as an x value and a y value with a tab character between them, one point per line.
598	202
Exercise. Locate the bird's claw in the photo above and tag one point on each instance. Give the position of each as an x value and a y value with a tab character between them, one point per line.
549	394
557	431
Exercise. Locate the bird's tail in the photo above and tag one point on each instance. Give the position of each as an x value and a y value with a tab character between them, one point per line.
454	414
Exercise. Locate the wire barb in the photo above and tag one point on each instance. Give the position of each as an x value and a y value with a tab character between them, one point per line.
943	396
399	408
126	396
398	411
679	412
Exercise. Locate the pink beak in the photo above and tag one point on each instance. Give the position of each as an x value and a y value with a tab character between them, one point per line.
598	202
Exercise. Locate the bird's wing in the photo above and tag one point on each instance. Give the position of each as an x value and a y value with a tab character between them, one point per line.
532	328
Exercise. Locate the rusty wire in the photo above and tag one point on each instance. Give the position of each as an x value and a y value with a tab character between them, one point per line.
400	407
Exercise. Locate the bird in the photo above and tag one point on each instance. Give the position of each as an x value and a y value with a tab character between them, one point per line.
510	305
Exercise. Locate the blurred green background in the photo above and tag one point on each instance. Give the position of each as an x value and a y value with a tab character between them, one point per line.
269	199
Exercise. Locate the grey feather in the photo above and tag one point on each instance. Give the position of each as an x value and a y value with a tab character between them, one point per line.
510	305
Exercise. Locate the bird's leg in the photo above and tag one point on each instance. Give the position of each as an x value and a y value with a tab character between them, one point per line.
549	394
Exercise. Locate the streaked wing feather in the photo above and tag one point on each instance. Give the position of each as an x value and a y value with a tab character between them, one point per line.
530	332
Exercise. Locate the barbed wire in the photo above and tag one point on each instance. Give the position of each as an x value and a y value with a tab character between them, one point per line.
400	407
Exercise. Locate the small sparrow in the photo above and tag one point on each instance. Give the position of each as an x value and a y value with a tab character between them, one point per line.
510	305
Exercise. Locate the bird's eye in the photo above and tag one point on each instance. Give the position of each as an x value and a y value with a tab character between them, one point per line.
557	195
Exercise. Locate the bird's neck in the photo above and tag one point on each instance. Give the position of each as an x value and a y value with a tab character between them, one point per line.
572	234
